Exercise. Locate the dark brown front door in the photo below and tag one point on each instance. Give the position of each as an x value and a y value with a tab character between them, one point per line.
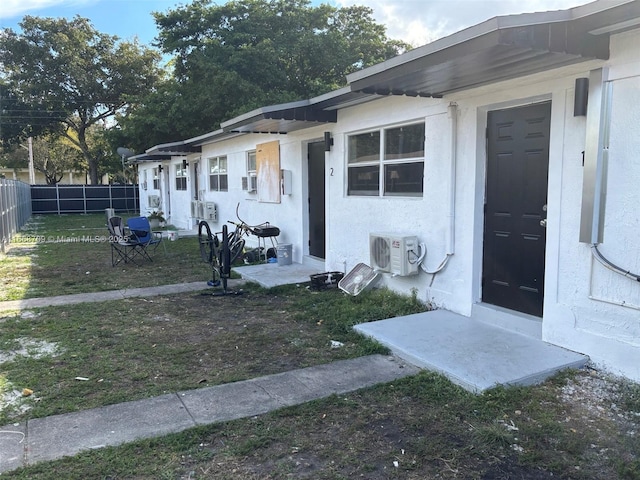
515	209
316	200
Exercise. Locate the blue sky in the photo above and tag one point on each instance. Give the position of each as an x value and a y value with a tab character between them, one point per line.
125	18
414	21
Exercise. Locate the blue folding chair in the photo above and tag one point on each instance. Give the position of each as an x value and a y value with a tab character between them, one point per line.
145	239
123	247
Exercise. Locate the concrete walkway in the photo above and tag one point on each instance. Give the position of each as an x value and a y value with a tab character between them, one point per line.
57	436
266	275
105	296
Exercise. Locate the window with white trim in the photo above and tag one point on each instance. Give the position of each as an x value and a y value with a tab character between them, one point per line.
252	172
181	177
156	178
218	179
387	162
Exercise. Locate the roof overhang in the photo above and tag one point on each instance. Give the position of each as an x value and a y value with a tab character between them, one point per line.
212	137
165	151
145	157
284	118
500	49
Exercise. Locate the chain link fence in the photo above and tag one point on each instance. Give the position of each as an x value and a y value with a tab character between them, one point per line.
15	209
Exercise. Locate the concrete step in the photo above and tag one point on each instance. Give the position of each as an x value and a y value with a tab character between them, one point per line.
471	353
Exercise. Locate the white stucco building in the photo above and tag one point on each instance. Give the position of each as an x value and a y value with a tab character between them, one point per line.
483	146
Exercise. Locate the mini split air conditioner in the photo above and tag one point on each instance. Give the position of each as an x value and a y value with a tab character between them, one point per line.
211	211
395	254
200	210
204	210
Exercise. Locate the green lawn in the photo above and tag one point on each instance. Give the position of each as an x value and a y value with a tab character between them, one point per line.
66	254
577	425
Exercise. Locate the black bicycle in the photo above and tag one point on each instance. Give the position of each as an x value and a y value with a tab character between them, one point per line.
216	253
236	238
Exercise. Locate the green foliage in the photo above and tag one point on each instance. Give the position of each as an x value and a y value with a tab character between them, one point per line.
71	77
630	396
628	470
53	156
251	53
340	312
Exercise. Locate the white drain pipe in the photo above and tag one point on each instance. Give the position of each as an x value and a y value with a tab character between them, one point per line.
451	214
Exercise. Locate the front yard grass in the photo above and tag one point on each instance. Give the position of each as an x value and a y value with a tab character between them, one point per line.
142	347
577	425
420	427
67	254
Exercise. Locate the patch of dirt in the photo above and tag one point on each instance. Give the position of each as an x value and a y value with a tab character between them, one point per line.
30	348
12	399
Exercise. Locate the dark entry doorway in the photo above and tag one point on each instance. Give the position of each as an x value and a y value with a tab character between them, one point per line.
515	209
315	155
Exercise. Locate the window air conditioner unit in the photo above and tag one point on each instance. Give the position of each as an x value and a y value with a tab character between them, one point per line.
194	209
395	254
201	210
154	201
211	211
253	184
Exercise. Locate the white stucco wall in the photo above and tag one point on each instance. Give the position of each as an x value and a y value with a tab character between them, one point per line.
587	307
596	311
583	308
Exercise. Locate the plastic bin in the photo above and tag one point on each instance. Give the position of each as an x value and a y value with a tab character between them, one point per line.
284	253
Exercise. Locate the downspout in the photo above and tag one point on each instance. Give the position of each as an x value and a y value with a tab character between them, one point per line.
451	214
453	119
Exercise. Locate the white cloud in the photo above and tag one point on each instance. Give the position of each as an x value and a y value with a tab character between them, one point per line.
421	21
17	8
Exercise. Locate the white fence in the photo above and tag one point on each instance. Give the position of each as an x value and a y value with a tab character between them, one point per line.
15	208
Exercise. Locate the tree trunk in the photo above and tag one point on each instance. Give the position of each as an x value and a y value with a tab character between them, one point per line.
91	161
93	170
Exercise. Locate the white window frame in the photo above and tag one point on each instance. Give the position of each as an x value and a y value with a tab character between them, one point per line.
381	164
156	178
218	174
181	178
252	172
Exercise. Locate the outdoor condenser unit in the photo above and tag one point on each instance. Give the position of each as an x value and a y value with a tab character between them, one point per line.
395	254
211	211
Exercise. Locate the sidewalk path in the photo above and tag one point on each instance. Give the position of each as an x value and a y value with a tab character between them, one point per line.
50	438
104	296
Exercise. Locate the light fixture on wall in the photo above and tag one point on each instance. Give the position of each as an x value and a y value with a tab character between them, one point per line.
160	168
184	163
328	141
580	97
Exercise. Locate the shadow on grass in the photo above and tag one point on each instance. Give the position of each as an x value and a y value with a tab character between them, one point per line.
67	254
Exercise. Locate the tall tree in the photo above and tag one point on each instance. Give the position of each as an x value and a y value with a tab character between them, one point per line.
54	156
73	76
235	57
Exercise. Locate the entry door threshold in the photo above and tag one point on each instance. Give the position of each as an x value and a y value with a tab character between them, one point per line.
508	319
314	262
